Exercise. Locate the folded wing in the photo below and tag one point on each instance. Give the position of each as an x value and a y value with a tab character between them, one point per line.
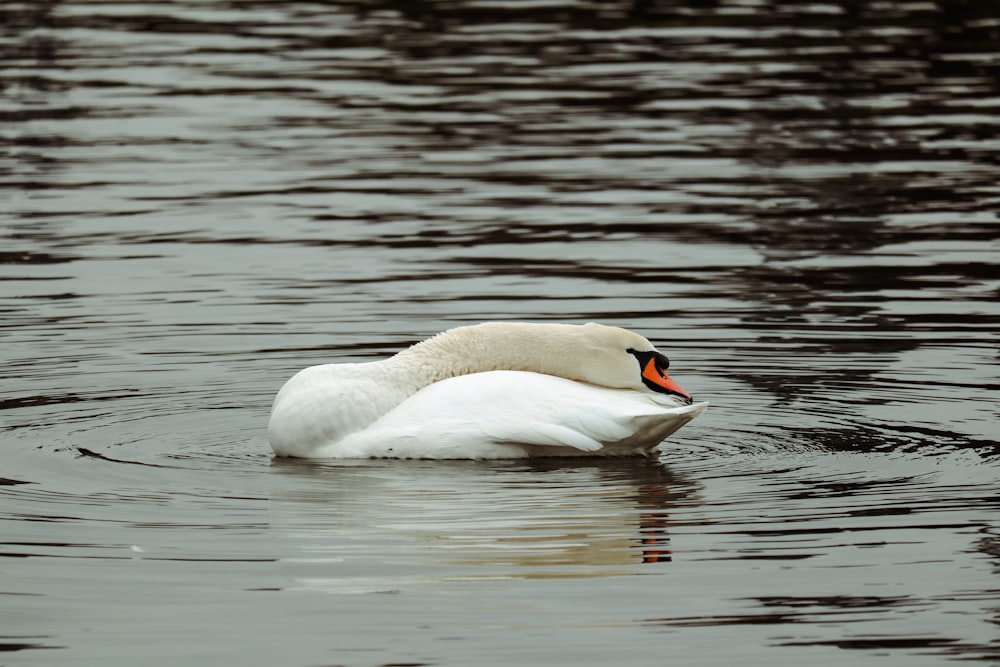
512	414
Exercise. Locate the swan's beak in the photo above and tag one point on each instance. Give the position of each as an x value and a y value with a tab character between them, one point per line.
654	375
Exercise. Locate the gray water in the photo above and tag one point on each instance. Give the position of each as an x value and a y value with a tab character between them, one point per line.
798	202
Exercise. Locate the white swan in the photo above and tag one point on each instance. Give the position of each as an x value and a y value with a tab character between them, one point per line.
488	391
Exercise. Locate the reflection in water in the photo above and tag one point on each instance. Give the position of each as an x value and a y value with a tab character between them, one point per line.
540	520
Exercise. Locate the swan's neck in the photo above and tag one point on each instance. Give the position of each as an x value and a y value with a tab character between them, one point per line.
476	349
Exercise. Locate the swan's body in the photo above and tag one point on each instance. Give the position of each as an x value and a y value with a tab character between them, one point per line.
498	390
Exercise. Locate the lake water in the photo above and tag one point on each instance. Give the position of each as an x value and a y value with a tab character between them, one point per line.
798	202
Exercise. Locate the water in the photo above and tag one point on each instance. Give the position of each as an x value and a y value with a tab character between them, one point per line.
797	202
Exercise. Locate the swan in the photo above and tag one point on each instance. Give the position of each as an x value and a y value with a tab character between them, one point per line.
496	390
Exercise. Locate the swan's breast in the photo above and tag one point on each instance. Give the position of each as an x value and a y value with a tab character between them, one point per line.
322	404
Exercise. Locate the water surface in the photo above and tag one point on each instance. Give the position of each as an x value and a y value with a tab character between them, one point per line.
797	202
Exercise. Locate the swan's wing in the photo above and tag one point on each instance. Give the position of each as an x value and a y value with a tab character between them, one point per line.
500	414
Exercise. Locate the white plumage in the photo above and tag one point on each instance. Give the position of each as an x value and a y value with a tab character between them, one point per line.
489	391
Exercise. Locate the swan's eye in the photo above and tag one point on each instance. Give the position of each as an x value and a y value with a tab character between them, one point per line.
631	350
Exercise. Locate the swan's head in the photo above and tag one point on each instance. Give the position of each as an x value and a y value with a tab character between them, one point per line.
619	358
593	353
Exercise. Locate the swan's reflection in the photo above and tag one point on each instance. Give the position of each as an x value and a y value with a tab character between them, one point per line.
468	520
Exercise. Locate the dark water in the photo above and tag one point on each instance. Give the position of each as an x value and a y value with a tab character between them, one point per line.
799	202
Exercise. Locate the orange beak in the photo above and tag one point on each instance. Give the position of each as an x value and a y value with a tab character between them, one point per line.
660	378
